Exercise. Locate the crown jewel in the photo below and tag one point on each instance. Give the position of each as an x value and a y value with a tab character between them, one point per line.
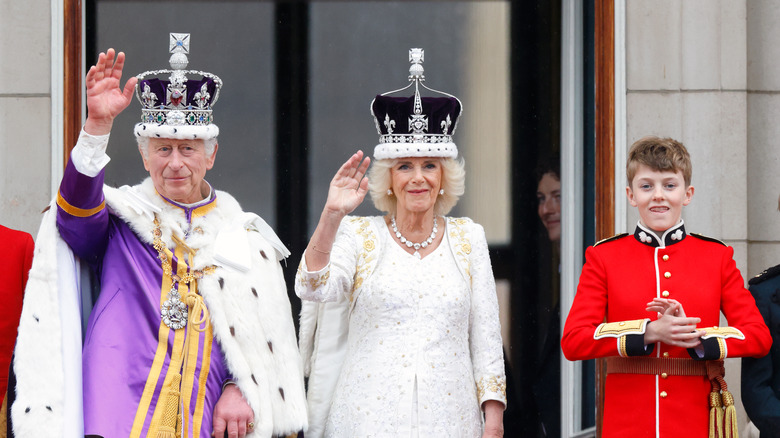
177	107
416	126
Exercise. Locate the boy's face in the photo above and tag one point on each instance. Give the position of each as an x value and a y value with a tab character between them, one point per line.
659	197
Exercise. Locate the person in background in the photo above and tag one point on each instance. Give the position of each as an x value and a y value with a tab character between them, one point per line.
761	376
547	381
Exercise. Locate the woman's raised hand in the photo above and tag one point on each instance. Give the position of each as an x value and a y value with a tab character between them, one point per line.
105	98
348	187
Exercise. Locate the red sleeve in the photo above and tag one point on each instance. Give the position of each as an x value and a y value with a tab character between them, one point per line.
588	311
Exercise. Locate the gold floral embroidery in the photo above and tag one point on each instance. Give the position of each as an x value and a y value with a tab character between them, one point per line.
322	280
366	256
315	283
492	384
462	245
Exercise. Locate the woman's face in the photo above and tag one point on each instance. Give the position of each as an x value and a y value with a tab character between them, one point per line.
548	196
416	183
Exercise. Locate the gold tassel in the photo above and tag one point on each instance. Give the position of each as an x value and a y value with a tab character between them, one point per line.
171	414
716	415
730	424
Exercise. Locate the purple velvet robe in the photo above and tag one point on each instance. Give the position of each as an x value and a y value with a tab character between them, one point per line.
122	381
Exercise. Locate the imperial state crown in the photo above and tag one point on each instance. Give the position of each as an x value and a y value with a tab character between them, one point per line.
177	107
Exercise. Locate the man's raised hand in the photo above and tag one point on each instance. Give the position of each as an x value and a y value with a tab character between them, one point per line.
105	98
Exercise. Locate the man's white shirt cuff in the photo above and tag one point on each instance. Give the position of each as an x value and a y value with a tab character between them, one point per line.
89	155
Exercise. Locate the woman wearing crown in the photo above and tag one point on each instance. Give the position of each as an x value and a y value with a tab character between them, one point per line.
408	339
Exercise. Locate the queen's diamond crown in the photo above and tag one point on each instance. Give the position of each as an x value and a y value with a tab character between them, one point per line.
416	125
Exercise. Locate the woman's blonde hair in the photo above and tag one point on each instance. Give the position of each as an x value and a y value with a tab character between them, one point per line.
453	181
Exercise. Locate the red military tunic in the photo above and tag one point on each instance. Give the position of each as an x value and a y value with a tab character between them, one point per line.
15	262
620	276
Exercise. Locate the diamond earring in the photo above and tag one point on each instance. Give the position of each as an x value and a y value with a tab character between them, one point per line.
441	192
389	192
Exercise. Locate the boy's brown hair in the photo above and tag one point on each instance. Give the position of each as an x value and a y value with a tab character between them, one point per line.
659	154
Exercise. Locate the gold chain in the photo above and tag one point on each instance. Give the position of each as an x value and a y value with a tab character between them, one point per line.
160	246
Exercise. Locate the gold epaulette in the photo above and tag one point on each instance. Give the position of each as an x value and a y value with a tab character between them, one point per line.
708	238
620	328
722	332
610	239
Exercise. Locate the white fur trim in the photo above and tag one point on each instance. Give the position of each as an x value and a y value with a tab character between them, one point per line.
183	132
258	369
262	356
39	411
402	150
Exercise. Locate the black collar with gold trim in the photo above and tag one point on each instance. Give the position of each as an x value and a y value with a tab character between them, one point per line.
671	236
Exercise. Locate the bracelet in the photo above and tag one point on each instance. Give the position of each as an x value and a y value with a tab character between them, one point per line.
314	248
227	383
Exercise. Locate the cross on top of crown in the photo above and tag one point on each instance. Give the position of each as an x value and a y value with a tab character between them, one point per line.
180	43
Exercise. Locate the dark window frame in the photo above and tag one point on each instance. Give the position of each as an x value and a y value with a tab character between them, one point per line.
291	33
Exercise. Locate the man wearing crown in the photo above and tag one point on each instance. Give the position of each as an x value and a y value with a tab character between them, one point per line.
191	333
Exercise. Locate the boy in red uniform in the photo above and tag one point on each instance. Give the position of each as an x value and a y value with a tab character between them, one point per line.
650	303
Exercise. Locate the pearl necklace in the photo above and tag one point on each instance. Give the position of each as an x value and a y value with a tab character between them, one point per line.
411	244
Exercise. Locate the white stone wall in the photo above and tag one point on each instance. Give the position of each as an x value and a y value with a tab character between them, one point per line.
25	112
707	72
763	139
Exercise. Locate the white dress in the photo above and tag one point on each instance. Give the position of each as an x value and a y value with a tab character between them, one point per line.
410	368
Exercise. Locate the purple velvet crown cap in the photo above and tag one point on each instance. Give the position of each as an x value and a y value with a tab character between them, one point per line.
403	133
400	110
416	126
193	99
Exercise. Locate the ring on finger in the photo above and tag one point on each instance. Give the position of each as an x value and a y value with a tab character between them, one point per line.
250	425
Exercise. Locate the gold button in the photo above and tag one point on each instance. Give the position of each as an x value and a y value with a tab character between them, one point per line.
664	375
665	293
663	394
668	274
666	257
666	354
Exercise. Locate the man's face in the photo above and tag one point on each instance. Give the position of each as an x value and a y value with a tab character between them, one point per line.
548	196
177	168
659	197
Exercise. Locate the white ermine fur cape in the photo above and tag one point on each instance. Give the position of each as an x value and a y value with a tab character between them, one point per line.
246	297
